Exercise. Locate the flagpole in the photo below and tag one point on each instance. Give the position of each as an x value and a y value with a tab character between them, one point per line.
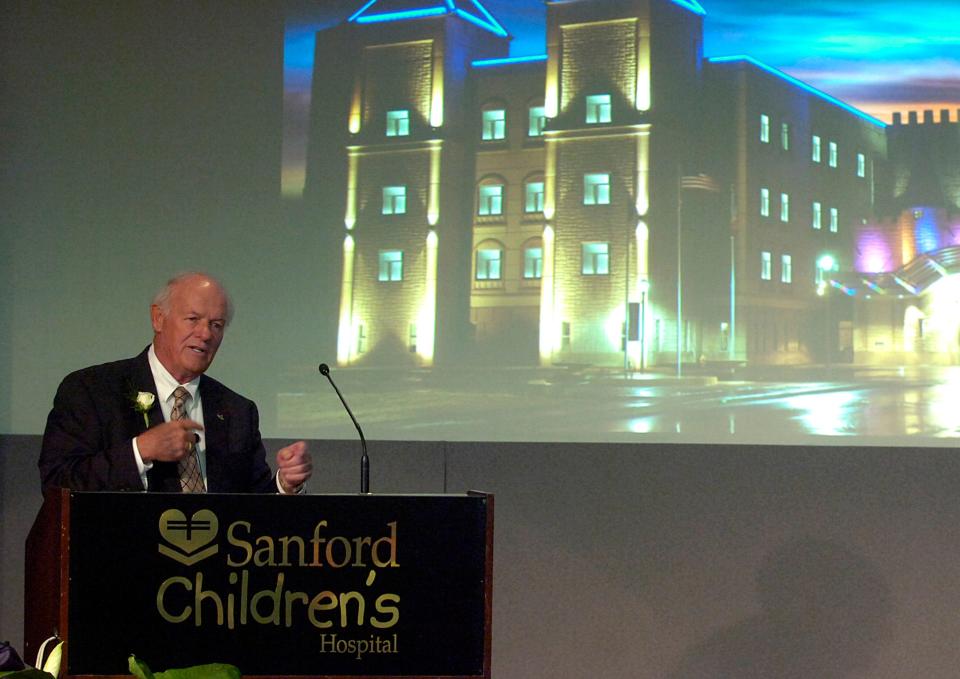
732	349
679	270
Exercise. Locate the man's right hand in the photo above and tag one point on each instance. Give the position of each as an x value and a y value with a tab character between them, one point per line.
168	442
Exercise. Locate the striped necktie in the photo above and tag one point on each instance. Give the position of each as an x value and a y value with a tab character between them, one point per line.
191	480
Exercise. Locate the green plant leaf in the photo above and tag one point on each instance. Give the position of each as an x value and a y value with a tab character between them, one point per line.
211	671
140	670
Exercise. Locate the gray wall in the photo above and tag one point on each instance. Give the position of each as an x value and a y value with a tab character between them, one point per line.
660	561
141	139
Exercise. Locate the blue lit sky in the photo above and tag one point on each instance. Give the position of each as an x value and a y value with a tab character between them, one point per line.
879	55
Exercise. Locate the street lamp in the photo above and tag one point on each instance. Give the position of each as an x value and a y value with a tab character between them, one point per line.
825	263
644	288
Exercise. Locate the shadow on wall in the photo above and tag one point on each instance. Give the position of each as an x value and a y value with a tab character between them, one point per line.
826	612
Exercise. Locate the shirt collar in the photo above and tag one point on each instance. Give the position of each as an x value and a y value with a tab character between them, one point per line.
166	384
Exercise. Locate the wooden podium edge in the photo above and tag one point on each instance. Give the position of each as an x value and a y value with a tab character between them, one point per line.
46	573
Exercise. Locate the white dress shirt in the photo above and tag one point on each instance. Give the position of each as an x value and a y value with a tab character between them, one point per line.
193	410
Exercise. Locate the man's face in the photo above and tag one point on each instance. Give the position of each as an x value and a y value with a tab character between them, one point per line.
187	335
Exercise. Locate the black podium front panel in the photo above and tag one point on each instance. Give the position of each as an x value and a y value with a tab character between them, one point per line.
306	585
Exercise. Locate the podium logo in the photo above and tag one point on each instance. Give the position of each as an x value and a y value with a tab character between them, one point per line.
188	538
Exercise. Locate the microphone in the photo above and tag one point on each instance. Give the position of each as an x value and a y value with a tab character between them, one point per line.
364	460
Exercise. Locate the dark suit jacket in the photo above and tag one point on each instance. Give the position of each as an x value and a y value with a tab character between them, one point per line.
88	441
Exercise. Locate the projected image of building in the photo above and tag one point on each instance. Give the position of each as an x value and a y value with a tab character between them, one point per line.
619	201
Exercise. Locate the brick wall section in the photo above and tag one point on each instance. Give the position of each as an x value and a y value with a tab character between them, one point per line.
388	308
599	59
589	300
397	76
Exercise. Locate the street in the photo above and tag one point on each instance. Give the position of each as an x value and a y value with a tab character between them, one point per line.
915	406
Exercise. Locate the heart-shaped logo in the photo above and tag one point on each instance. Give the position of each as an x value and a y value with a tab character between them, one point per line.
190	536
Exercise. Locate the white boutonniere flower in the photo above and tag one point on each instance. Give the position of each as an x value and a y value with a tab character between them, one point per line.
142	403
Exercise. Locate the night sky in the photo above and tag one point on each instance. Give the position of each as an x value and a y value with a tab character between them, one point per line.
879	55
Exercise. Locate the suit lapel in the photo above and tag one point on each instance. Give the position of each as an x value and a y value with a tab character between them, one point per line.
163	477
215	432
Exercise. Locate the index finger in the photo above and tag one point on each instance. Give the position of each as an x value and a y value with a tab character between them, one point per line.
189	424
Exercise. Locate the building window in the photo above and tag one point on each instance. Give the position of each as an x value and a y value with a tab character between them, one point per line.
861	165
398	123
784	207
361	338
533	262
494	124
565	335
596	189
412	338
764	128
815	151
598	108
490	200
533	197
766	265
391	265
537	121
834	220
817	219
764	202
832	154
785	136
488	264
786	269
394	200
596	259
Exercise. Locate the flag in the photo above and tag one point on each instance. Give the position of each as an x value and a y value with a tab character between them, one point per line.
701	182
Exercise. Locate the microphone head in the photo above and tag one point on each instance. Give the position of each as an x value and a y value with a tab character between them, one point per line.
324	369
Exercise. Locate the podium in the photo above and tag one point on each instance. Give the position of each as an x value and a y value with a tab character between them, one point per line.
310	585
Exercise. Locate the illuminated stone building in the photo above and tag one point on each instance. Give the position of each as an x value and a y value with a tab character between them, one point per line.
618	201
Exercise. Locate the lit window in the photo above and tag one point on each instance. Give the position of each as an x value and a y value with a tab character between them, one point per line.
533	198
391	265
832	154
764	128
598	108
784	207
815	151
394	200
361	339
861	165
537	120
834	220
766	265
488	264
596	259
533	262
412	338
764	202
817	219
785	136
494	124
490	200
398	123
786	269
596	189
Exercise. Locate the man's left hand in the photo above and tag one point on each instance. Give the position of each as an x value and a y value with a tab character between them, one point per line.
294	466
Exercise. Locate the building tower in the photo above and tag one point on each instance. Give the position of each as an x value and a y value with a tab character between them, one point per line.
387	166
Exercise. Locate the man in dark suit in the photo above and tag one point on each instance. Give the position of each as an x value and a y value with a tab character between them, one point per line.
157	422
